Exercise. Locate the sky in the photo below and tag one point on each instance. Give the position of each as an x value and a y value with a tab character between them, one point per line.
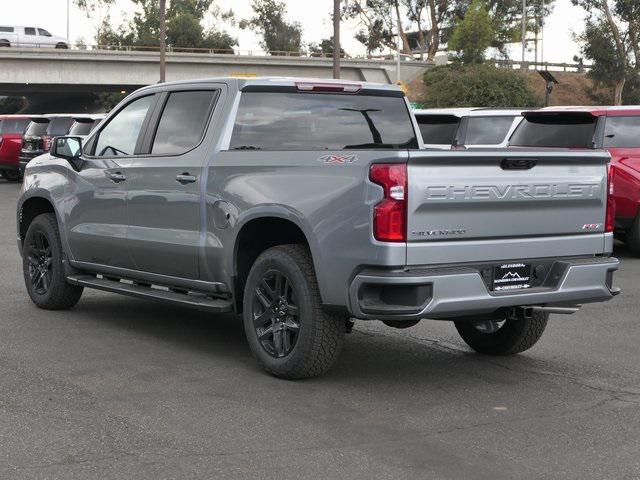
313	15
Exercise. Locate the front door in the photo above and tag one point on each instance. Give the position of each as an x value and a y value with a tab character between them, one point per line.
97	213
164	197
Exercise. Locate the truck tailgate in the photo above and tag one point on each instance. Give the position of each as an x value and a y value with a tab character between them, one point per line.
466	206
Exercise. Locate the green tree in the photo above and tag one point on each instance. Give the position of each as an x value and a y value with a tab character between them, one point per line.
506	19
476	85
185	19
611	42
324	48
278	35
378	19
98	10
473	35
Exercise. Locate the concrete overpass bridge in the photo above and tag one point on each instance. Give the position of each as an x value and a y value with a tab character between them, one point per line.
43	73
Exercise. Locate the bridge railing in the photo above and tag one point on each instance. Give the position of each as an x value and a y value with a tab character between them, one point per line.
196	50
529	65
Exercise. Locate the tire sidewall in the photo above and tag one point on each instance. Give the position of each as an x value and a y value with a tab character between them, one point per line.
275	259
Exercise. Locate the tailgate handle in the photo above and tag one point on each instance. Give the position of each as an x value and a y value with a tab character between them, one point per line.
518	163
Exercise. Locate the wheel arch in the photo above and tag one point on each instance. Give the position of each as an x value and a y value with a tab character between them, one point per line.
29	208
261	231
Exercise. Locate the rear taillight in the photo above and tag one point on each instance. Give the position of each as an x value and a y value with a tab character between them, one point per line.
390	215
46	143
611	201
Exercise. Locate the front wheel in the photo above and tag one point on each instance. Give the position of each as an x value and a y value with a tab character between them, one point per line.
289	333
42	265
503	337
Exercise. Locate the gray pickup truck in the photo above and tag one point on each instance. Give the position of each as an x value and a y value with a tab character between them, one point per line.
307	204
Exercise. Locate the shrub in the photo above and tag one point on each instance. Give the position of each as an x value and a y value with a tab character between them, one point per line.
480	85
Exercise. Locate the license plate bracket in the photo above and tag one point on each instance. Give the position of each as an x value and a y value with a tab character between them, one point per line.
511	276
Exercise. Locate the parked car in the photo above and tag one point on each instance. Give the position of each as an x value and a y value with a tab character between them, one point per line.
12	127
11	36
616	129
446	128
37	138
303	204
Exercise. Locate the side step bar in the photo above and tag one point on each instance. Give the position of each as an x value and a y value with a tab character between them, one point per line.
193	300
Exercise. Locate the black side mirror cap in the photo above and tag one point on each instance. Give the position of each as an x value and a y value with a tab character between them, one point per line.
68	148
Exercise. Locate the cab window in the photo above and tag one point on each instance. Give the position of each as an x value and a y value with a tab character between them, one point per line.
183	121
120	135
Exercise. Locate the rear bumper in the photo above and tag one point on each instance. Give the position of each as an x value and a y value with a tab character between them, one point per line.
449	292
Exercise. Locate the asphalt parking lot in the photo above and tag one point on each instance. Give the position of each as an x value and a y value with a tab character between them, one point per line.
124	388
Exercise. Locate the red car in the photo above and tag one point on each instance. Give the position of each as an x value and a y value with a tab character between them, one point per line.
616	129
12	127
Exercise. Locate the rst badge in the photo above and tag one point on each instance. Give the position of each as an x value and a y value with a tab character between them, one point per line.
336	158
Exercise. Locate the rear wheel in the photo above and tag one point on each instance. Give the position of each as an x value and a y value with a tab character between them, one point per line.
42	266
633	237
5	43
288	331
503	337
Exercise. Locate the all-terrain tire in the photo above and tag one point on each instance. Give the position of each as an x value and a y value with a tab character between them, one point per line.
515	336
320	336
58	294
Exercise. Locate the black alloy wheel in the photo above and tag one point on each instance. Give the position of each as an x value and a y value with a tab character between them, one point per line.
43	266
40	260
276	314
289	332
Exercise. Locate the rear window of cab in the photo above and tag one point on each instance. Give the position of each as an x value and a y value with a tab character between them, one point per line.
622	132
13	126
321	121
556	131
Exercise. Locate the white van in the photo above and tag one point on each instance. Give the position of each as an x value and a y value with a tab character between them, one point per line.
30	37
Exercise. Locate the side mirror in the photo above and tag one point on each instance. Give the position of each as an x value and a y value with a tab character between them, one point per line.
69	148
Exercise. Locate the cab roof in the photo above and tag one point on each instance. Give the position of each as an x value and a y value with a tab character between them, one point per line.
242	82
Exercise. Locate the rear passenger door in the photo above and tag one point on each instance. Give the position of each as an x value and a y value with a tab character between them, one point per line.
164	195
28	37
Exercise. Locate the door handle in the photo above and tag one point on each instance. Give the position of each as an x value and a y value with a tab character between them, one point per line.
117	177
185	178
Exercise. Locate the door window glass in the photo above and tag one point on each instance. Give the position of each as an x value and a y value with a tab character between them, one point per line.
29	31
183	121
120	135
43	32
